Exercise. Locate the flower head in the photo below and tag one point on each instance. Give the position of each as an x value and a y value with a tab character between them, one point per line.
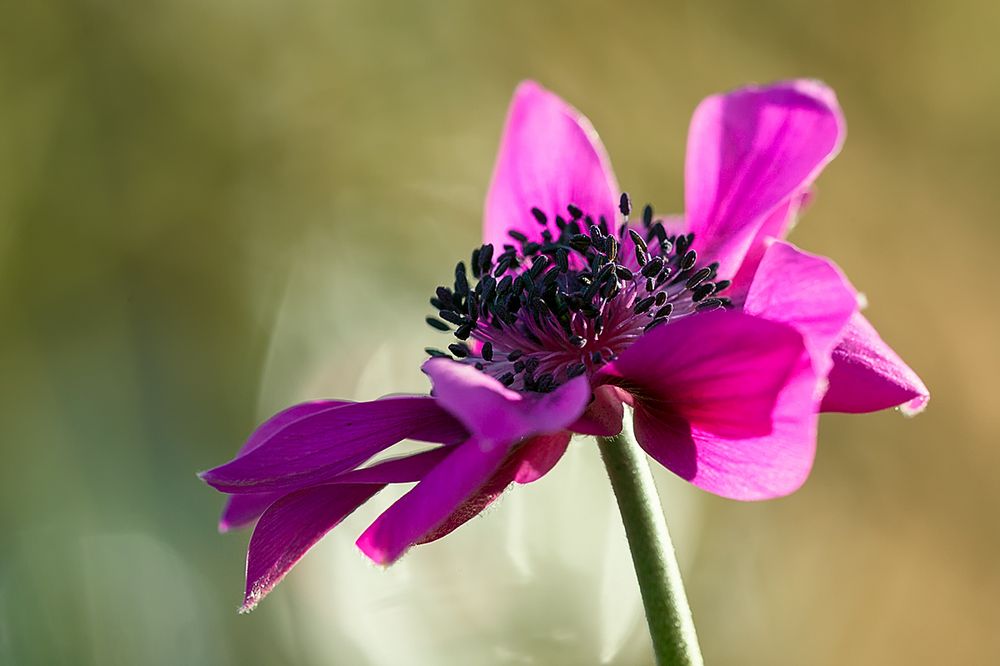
726	341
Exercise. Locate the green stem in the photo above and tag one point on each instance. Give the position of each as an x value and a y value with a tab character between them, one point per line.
667	611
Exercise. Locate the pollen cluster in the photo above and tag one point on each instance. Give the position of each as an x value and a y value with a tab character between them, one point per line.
539	312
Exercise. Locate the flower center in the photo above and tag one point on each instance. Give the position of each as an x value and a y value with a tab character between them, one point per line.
542	312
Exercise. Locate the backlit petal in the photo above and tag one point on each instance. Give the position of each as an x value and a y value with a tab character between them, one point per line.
496	414
550	157
317	447
295	522
748	152
806	291
868	375
721	371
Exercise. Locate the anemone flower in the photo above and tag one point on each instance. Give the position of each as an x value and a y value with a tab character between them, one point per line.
724	340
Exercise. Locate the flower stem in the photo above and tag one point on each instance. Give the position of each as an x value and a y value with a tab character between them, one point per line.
667	611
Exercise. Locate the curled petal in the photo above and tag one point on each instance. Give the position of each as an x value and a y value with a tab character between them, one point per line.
749	151
495	414
317	447
241	510
720	370
417	513
774	227
290	527
742	468
536	457
529	462
499	420
724	400
868	375
603	416
285	418
806	291
292	524
550	157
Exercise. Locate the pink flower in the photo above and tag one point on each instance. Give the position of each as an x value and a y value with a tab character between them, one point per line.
726	342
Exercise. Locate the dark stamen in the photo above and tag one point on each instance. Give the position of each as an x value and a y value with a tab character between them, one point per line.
644	304
637	239
533	308
625	204
438	324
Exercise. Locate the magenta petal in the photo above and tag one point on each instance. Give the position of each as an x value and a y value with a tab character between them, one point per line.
806	291
748	152
241	510
550	157
417	513
294	522
868	375
285	418
603	416
494	413
317	447
290	527
498	419
742	468
527	463
404	469
775	226
724	400
537	456
720	371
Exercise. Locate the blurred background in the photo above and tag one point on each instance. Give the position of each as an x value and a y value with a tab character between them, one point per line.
210	210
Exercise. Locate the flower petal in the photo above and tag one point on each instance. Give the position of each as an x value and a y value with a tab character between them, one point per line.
527	463
742	468
748	152
724	400
775	226
241	510
496	415
806	291
317	447
603	416
286	417
550	157
721	371
537	456
296	521
498	419
868	375
290	527
468	467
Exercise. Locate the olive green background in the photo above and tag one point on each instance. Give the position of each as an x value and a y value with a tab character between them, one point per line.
212	209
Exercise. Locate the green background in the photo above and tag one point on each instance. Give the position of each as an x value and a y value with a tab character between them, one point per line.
212	209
